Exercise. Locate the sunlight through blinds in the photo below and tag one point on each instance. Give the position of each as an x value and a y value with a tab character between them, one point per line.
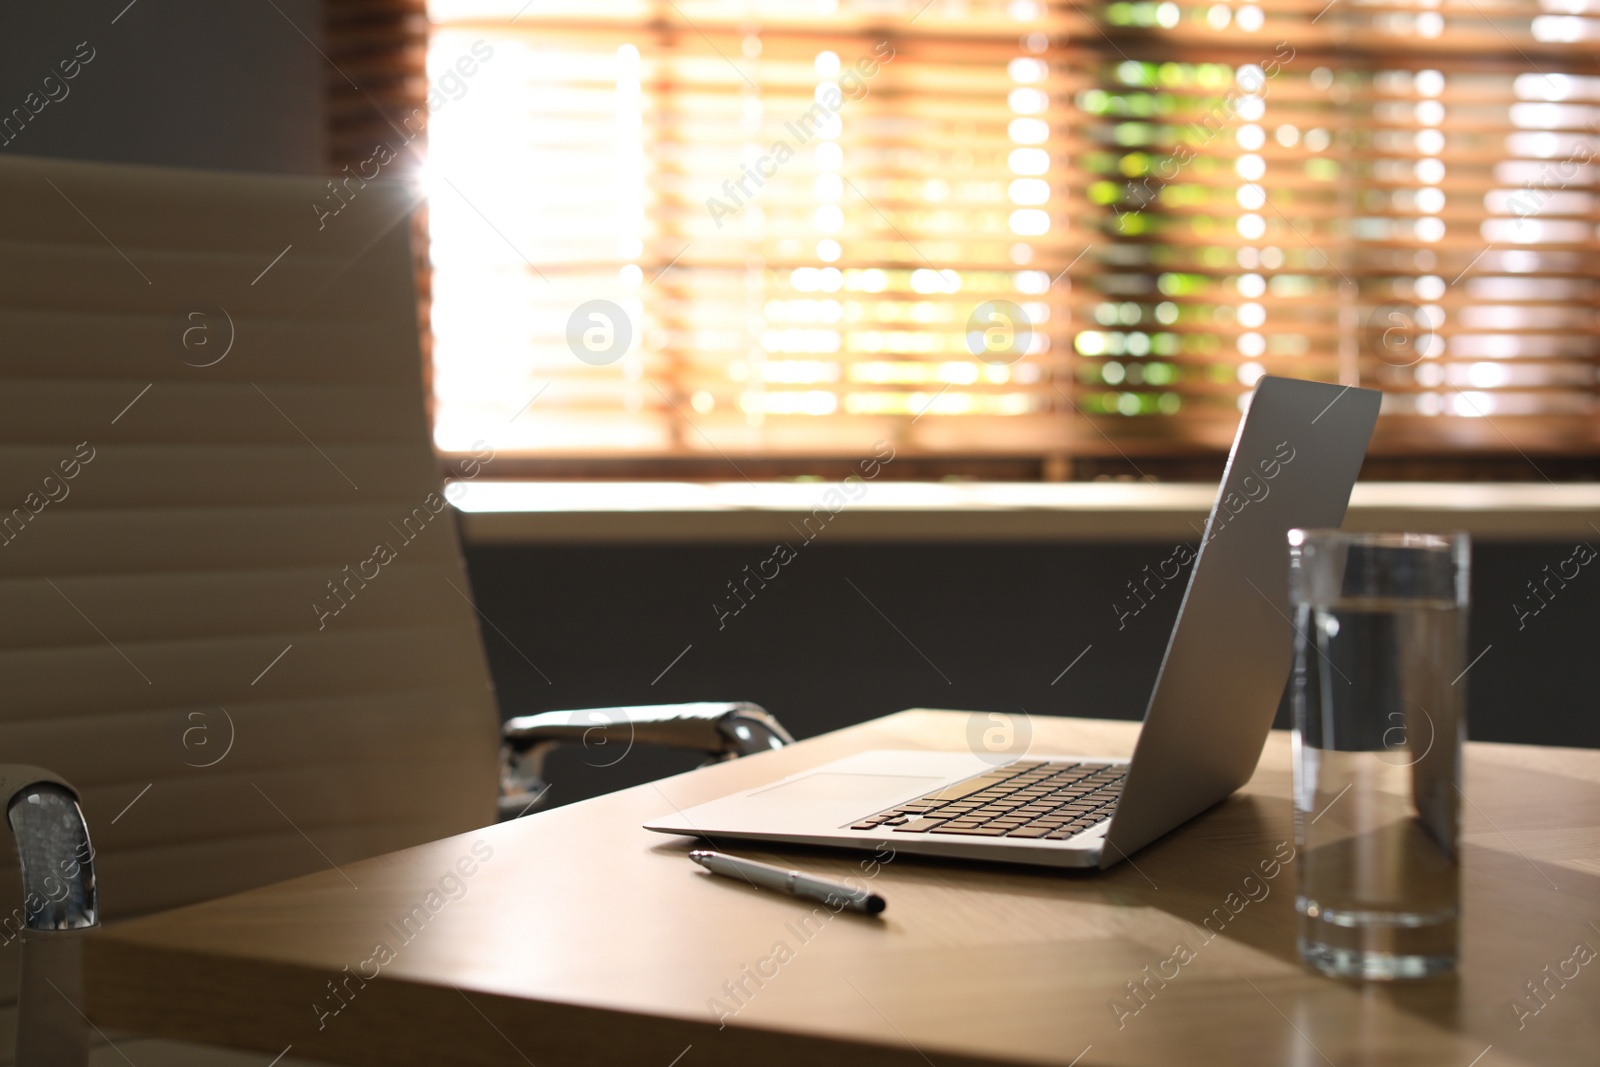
770	229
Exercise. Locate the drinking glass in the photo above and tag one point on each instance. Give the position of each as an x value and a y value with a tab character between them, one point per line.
1381	624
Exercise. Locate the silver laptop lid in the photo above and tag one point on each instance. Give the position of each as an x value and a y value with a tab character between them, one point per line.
1293	463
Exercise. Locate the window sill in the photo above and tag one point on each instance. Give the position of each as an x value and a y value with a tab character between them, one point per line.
708	512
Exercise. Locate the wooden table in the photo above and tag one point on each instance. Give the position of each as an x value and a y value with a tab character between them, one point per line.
578	938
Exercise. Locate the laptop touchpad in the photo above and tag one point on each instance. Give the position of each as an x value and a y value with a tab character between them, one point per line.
861	794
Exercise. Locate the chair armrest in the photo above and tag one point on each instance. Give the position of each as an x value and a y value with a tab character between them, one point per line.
58	902
57	861
722	731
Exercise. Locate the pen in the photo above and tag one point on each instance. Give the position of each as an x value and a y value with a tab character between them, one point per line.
783	880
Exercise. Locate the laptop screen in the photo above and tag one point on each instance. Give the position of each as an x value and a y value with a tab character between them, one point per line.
1294	461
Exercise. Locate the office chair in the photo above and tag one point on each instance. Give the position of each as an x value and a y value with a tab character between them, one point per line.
238	618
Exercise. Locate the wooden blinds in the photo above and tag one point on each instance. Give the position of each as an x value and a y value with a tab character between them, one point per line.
789	229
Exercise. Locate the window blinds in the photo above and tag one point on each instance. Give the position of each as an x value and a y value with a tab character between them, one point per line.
769	231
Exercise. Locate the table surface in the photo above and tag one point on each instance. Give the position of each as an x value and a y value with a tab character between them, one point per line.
579	938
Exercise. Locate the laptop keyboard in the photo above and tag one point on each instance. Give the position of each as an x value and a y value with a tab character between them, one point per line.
1040	799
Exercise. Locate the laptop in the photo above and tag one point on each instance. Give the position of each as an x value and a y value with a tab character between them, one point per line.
1294	460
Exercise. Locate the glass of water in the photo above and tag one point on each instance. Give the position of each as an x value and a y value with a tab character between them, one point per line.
1381	624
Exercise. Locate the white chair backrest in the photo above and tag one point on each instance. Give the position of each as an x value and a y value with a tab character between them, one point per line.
236	617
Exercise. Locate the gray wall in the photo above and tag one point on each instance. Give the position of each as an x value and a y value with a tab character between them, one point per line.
993	626
201	83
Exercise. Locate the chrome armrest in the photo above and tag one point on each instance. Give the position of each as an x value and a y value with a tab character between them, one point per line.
723	731
58	903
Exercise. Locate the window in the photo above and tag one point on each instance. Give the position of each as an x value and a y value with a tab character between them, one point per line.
1067	236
